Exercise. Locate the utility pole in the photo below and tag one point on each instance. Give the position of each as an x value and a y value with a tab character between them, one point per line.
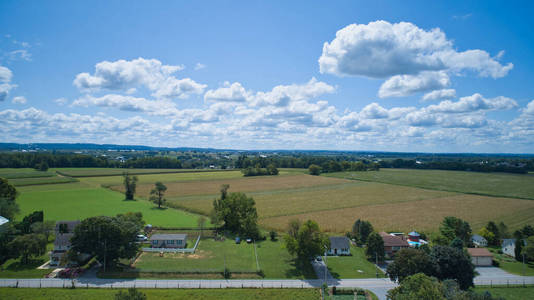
376	262
524	245
325	267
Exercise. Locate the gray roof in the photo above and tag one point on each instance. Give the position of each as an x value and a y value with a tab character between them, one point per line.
506	242
339	242
169	236
63	239
478	238
3	220
70	225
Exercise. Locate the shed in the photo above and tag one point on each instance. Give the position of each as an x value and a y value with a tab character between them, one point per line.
480	257
339	245
171	240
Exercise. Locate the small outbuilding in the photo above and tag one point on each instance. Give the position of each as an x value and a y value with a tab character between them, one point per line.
479	241
171	240
480	257
508	247
339	245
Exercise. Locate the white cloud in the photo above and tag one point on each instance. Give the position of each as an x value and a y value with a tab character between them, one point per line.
150	73
61	101
374	111
128	103
381	49
405	85
234	92
20	54
281	95
439	95
19	100
199	66
5	82
474	102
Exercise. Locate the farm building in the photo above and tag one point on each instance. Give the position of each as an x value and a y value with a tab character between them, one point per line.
339	245
64	231
172	240
480	257
508	247
479	241
393	243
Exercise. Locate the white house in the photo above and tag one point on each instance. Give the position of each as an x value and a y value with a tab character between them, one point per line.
508	247
480	257
479	240
64	232
172	240
339	245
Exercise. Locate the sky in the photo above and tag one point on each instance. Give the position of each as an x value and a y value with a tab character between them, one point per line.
440	76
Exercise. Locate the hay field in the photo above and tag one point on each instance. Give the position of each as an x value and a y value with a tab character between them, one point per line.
491	184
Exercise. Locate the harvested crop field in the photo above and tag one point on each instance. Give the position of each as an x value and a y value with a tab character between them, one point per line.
424	215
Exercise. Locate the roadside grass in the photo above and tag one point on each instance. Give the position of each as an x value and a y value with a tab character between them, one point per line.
13	268
164	294
350	266
210	256
97	172
77	203
12	173
492	184
508	293
423	215
511	265
277	263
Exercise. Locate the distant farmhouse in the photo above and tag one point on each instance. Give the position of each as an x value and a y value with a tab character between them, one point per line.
479	241
64	232
393	243
508	247
339	245
480	257
168	240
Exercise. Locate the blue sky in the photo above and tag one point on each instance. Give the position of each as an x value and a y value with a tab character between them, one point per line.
451	76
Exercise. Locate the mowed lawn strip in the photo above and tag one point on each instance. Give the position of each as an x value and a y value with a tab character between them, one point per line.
354	266
276	263
210	256
81	203
493	184
423	215
305	197
163	294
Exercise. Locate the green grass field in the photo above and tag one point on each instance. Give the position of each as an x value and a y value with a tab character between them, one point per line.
13	268
354	266
40	180
74	201
509	293
89	172
12	173
164	294
492	184
276	262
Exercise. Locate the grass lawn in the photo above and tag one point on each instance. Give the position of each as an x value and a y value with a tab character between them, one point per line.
493	184
349	266
12	173
61	203
509	293
510	265
276	262
166	294
210	256
14	269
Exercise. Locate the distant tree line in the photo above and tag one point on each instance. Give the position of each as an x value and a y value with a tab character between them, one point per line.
270	170
509	166
326	164
69	160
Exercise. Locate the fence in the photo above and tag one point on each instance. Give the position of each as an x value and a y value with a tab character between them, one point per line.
505	282
174	250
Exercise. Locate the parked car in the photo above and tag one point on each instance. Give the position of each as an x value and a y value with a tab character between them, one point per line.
249	241
237	240
141	238
318	258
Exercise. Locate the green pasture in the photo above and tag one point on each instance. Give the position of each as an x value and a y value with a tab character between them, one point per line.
12	173
509	293
491	184
59	202
354	266
164	294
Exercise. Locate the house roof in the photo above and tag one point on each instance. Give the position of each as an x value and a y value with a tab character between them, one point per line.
393	241
63	239
169	236
70	225
339	242
479	252
506	242
3	220
478	238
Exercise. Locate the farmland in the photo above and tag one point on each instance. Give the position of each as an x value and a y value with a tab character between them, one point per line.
167	294
492	184
95	172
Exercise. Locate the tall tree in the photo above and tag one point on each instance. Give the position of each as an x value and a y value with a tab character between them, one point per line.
307	242
417	287
25	225
492	227
157	193
314	169
528	250
108	238
375	247
8	193
28	245
452	263
237	212
408	262
130	184
361	230
452	227
45	228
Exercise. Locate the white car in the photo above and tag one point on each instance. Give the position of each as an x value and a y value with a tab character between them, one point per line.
141	238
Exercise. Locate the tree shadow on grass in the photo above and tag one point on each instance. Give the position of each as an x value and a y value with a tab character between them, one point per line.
300	269
19	266
159	208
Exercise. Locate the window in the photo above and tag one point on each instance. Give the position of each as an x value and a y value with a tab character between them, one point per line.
179	242
170	241
154	242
